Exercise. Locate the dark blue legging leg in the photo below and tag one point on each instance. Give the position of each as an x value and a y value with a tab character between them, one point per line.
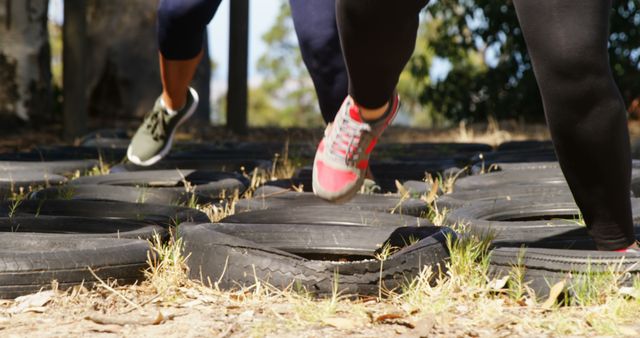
315	24
181	26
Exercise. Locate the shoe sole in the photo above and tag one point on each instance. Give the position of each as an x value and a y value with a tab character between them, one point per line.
164	151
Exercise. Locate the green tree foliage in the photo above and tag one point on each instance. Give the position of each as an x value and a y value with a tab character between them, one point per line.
286	96
491	73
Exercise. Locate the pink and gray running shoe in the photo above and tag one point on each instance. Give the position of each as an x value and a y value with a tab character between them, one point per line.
342	158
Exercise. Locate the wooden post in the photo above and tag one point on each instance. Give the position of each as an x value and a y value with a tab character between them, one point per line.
238	62
73	62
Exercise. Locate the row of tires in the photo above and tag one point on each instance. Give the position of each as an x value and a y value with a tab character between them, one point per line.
287	237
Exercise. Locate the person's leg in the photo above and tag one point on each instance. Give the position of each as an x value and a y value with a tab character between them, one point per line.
181	27
176	75
377	40
315	24
567	42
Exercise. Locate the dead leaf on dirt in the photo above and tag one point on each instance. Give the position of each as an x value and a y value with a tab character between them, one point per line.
340	323
630	292
388	316
159	318
36	300
555	291
394	319
498	284
37	309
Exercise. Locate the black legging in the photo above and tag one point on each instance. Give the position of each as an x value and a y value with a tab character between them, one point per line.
315	24
567	41
378	38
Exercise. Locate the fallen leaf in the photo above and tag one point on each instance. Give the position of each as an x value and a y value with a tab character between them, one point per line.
555	291
36	300
498	284
394	319
388	316
37	309
630	292
340	323
129	319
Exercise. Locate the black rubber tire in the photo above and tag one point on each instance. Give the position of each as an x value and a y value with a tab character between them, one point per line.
540	176
529	166
161	215
238	262
535	221
106	138
316	228
30	262
543	268
325	214
551	176
51	167
387	172
80	227
166	185
511	156
376	202
428	151
61	153
479	169
26	181
501	193
198	163
524	145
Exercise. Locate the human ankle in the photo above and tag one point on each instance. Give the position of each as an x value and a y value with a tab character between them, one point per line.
173	103
373	114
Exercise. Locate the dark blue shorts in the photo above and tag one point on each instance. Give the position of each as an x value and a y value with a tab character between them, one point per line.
182	24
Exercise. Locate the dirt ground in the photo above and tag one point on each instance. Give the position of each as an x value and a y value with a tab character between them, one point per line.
193	311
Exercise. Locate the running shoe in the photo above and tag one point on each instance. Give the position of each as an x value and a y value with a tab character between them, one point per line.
153	139
342	157
629	250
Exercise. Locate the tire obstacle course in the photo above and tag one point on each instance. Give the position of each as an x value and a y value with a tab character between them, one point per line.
59	218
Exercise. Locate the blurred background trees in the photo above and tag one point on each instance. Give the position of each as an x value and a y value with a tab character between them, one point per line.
470	63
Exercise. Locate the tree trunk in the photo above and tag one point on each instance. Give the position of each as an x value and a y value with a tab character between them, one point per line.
122	67
25	62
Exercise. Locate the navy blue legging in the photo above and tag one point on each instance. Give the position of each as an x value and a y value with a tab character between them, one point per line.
182	23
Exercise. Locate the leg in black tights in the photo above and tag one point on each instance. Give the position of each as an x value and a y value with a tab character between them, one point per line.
567	42
378	38
315	24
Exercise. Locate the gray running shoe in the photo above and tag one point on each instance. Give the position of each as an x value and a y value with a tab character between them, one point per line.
153	139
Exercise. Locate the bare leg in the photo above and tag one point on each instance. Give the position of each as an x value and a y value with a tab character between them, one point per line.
176	76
